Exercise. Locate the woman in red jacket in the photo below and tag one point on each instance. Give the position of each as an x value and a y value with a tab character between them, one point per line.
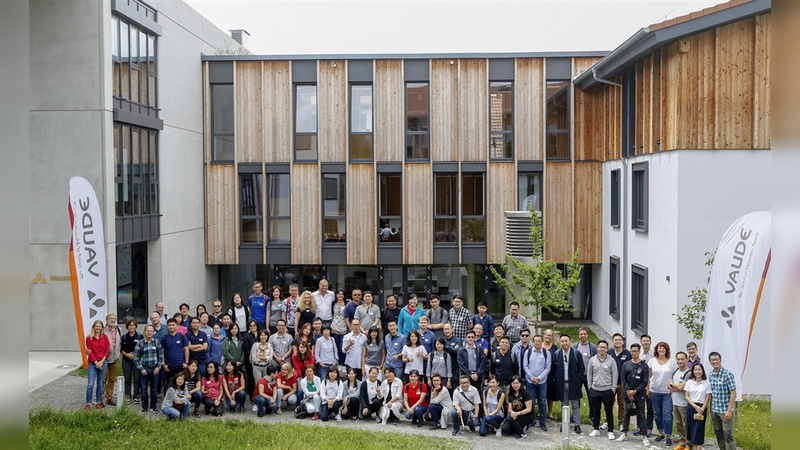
97	347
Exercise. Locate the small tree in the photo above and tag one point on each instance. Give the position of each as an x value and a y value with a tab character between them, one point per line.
542	284
694	312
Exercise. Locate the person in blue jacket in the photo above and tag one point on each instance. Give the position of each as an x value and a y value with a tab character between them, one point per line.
408	320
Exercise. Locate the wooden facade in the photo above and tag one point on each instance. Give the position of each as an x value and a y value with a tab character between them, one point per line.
529	94
388	93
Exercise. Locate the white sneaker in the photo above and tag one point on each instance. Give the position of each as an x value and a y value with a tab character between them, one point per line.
338	417
604	426
498	432
378	419
594	433
646	442
622	438
255	408
611	435
620	428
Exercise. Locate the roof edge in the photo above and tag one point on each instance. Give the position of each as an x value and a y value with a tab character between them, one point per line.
355	56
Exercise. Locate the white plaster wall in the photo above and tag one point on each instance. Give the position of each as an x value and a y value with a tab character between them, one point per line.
612	246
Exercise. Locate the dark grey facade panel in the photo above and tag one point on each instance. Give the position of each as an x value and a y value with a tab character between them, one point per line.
473	254
304	71
390	255
359	71
389	167
220	72
279	255
334	255
251	255
249	167
416	70
558	68
446	255
136	119
473	166
136	15
501	69
137	229
333	167
445	166
277	167
530	166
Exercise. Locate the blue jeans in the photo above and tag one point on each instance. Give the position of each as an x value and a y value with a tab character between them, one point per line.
291	400
662	410
264	405
197	399
471	423
173	413
326	412
96	377
539	394
322	372
495	421
239	398
419	414
149	379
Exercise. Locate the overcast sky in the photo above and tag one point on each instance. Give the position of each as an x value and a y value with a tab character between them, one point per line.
438	27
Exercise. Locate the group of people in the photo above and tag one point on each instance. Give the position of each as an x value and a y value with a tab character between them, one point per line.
322	355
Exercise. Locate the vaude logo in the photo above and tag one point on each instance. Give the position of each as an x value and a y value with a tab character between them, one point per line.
728	314
94	302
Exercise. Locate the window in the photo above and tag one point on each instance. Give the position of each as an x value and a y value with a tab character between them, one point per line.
529	190
334	208
473	219
132	281
615	198
445	217
639	208
133	62
305	122
278	209
361	140
613	287
222	126
135	171
501	115
639	298
390	215
557	119
418	142
252	201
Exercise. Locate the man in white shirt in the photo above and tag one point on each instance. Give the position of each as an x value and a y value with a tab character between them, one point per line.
353	344
323	298
679	402
465	406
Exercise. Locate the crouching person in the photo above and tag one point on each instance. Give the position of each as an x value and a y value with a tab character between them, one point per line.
465	403
176	402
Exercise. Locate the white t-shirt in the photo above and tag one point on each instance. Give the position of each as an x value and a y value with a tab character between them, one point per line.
352	357
697	391
415	358
661	374
679	397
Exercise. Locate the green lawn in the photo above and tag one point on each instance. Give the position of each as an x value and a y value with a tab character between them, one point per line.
81	372
573	333
128	429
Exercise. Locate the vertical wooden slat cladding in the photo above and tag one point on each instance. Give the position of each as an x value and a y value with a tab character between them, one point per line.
589	211
417	214
558	211
222	225
278	101
580	65
444	110
390	121
247	88
597	123
332	110
473	109
734	76
761	96
306	214
362	224
529	108
501	196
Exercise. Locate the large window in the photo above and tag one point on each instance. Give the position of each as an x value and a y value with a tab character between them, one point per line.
278	209
334	208
639	298
222	122
252	202
557	119
132	281
418	143
615	198
473	218
390	215
640	193
445	221
136	171
361	140
501	115
613	287
133	62
305	122
529	191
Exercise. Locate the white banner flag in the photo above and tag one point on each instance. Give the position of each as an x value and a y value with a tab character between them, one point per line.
734	292
87	259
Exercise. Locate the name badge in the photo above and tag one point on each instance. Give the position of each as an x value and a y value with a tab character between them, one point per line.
638	377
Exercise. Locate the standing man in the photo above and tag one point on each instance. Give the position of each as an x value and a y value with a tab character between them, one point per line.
161	330
521	349
646	355
176	351
148	357
389	313
426	336
723	401
693	358
198	345
394	343
451	343
353	344
601	376
504	364
205	325
161	316
679	403
568	368
216	314
281	344
514	323
537	364
485	320
472	362
114	338
635	376
587	350
351	307
257	304
479	340
291	307
621	356
324	300
437	316
460	318
368	313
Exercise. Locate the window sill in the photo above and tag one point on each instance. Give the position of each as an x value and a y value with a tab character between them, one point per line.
639	230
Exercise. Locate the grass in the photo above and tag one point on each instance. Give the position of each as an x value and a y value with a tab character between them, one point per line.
127	429
573	333
81	372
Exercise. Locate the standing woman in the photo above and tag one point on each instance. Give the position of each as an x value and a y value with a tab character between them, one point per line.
413	354
233	347
439	362
305	312
212	389
303	335
493	402
234	388
441	404
326	353
249	339
698	394
201	308
338	325
261	356
302	358
127	347
661	370
520	408
97	347
351	391
238	312
276	309
552	395
373	354
191	375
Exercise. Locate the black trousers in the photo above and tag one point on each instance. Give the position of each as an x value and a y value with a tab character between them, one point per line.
640	415
208	402
511	426
373	407
606	399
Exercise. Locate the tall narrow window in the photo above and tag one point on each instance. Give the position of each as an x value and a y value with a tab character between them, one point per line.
445	221
136	171
473	218
390	216
529	191
501	115
115	57
334	209
639	197
305	122
557	119
613	287
639	298
361	141
614	198
252	201
418	142
278	209
222	122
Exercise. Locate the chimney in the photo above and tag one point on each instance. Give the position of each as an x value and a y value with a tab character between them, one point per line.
238	36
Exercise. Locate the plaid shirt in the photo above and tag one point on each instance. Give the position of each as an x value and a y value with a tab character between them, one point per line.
148	354
461	319
722	384
514	326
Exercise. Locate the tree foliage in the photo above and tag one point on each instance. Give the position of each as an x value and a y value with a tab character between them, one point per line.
542	284
694	312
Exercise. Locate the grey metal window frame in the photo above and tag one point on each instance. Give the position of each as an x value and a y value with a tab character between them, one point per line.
639	298
142	106
615	197
559	131
387	217
502	132
341	196
258	189
145	174
231	135
540	183
295	133
613	287
454	179
370	133
640	196
410	135
464	216
268	213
